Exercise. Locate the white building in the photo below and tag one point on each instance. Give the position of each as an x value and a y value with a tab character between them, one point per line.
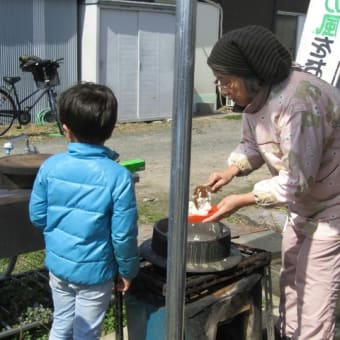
130	46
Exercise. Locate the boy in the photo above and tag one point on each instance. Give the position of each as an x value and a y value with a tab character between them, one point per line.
84	203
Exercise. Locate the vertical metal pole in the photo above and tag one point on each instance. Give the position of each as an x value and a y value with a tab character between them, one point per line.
180	166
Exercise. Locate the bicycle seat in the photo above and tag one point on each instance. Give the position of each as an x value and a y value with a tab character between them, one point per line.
11	80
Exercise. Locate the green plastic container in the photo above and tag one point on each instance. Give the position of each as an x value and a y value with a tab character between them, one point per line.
134	165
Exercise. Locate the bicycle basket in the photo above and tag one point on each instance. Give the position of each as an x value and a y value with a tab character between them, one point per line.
28	62
46	75
45	72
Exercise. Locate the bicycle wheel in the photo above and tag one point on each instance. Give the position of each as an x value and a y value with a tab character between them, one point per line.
7	112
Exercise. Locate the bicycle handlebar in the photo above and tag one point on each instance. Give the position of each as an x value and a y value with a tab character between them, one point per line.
46	62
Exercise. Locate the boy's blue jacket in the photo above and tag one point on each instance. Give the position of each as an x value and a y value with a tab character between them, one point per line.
84	203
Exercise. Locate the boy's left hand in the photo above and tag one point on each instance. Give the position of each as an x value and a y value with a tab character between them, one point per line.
123	284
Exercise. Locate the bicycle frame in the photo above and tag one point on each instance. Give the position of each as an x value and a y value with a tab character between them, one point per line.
48	90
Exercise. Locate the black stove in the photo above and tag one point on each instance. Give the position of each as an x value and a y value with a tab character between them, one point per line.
153	278
219	305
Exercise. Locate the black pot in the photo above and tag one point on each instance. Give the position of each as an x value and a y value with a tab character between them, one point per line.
208	247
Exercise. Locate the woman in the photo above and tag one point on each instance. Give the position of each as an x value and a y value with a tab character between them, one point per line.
291	123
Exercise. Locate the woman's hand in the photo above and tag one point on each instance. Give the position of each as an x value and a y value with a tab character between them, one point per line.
230	205
219	179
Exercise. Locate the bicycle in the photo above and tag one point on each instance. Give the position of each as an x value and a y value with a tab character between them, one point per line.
46	77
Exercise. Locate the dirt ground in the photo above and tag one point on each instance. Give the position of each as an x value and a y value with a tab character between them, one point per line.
213	137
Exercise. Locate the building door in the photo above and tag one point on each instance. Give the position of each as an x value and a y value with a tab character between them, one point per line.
137	61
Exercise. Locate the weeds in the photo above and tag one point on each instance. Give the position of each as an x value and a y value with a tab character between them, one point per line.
233	116
149	213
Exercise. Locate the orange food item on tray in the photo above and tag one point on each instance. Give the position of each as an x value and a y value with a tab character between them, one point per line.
200	218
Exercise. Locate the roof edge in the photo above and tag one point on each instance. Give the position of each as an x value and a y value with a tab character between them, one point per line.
130	4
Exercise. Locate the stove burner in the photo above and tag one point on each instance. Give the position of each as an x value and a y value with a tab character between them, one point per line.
153	278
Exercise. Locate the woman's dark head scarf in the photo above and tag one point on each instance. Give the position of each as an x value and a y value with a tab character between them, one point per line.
251	52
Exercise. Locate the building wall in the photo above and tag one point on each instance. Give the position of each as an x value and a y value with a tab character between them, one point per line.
207	32
257	12
132	50
45	28
244	12
297	6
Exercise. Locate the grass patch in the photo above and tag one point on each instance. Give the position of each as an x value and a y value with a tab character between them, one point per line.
31	260
149	213
233	116
34	131
110	319
25	262
27	298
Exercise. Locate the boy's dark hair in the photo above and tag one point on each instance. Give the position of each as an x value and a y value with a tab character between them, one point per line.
90	111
